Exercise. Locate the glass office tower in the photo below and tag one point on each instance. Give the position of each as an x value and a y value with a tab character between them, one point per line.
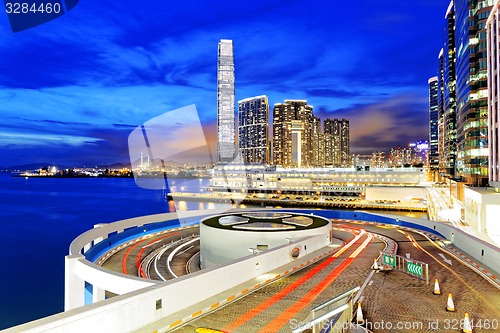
472	90
449	94
492	27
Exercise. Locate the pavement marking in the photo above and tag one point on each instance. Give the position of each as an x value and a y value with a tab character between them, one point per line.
450	270
238	322
448	261
197	313
371	282
464	260
172	254
288	314
176	323
125	256
149	244
369	278
189	248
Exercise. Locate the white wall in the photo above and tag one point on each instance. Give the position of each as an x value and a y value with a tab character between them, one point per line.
395	193
78	270
218	246
482	210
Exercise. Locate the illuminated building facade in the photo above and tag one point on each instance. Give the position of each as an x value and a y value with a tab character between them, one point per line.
420	152
378	159
318	139
293	144
440	111
493	26
449	95
401	157
433	123
253	143
336	137
225	103
472	90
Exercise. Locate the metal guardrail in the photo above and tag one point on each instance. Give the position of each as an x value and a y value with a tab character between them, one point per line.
415	268
340	308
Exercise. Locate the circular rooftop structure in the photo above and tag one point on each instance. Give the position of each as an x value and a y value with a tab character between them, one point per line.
232	236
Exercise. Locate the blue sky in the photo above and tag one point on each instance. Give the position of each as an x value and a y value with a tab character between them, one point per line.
73	89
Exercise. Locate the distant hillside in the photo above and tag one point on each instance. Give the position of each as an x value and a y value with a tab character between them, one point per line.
33	166
158	163
114	166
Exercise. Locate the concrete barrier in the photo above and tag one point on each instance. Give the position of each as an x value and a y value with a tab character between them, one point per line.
139	308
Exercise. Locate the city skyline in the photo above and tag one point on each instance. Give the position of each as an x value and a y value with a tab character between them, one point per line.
93	81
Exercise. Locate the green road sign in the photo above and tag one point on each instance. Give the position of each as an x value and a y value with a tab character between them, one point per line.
414	269
389	260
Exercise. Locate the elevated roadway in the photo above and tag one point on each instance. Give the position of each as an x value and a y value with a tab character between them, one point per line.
389	296
282	297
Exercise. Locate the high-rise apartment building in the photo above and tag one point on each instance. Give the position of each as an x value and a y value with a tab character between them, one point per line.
492	27
336	137
318	143
293	127
472	90
253	116
401	157
377	159
433	123
225	103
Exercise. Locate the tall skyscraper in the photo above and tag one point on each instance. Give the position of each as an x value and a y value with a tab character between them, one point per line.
433	123
345	143
336	136
293	123
440	112
445	116
472	91
225	103
449	94
492	26
253	115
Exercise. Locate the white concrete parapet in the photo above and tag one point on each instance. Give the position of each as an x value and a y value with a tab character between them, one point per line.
139	308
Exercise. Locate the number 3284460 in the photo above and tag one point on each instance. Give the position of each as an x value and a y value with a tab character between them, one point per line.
26	8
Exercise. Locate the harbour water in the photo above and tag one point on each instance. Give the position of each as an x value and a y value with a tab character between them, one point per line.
39	217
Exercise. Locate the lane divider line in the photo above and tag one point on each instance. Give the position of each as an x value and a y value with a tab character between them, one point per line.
239	295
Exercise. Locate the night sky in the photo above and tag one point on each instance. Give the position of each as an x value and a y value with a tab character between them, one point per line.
73	89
